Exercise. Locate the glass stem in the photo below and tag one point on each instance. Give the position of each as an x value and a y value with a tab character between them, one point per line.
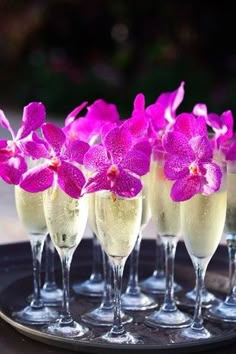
133	287
200	271
37	242
231	244
170	243
96	275
50	283
159	271
118	268
66	258
107	301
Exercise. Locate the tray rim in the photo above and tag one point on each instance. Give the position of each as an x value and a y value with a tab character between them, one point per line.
93	347
75	344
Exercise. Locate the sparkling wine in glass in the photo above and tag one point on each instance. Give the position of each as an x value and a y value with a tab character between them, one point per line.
118	221
30	211
226	311
155	284
134	299
202	219
104	313
166	214
66	219
94	286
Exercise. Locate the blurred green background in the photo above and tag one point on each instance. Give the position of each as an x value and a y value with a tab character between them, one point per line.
63	52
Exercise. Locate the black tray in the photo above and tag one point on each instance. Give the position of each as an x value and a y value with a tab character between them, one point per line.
17	279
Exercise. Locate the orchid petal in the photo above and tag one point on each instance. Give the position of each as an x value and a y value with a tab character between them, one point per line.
213	177
82	129
126	185
33	117
202	148
171	101
4	122
137	124
97	182
54	136
72	115
37	179
35	150
70	179
185	188
187	124
177	144
75	151
200	110
3	143
118	142
213	120
12	170
144	146
102	111
139	103
177	167
231	152
95	158
156	112
136	162
106	127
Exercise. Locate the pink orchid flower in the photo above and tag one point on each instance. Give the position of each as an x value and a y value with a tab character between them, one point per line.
189	164
228	149
99	119
231	152
222	125
12	153
116	165
171	101
61	163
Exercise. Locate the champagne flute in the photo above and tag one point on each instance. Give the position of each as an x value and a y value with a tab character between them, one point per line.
50	293
118	221
202	219
166	214
30	212
134	299
226	311
189	299
94	286
102	315
66	219
156	283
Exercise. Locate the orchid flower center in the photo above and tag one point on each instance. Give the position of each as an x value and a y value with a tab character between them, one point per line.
113	172
194	169
55	163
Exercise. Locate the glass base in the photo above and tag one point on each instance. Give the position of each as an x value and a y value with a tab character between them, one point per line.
89	288
124	338
222	313
189	299
70	330
156	285
168	319
137	302
36	316
52	297
104	316
193	334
